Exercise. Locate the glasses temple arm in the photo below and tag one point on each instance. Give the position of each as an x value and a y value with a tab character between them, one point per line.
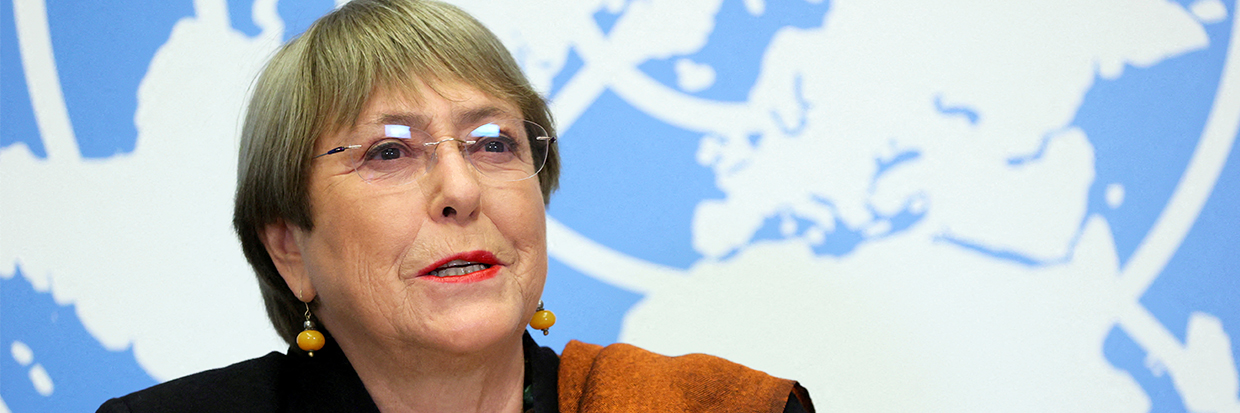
337	149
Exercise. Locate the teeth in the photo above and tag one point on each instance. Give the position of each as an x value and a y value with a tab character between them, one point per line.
457	268
457	271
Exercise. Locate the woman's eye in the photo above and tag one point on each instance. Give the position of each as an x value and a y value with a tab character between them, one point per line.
387	151
497	145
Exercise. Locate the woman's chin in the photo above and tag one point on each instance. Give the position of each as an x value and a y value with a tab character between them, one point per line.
465	334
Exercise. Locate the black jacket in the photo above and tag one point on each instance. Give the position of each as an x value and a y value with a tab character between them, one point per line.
295	382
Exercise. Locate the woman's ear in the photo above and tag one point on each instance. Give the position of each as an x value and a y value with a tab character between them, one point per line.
281	240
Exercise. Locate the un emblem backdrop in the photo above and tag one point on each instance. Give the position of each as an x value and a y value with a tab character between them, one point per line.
908	206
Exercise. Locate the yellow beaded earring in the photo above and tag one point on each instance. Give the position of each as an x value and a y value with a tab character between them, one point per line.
310	340
542	319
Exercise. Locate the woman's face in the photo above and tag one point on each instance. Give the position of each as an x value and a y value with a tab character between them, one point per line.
368	257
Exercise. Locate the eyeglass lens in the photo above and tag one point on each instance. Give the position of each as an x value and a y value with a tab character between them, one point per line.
507	150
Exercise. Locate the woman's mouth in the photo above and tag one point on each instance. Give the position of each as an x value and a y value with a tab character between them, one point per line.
463	268
456	268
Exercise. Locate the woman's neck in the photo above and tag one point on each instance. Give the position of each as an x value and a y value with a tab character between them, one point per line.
425	380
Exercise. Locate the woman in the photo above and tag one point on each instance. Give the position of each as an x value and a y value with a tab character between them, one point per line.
394	171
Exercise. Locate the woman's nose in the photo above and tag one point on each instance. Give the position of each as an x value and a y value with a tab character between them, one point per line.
455	182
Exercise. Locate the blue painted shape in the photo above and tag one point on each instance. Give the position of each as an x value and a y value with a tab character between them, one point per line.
884	165
843	239
736	46
1204	274
299	15
903	220
17	122
1185	3
632	182
663	70
586	309
963	111
83	373
241	16
992	252
838	243
572	65
754	138
1121	351
102	53
1037	154
803	107
606	20
770	230
1144	127
1020	160
900	221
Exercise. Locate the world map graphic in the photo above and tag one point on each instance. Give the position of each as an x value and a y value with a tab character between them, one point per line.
906	206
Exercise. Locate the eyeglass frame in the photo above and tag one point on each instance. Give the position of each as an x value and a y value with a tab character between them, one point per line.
463	151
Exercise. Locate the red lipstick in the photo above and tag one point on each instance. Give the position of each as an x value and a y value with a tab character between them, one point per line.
486	260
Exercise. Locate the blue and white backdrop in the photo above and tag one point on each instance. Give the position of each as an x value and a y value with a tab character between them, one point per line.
962	205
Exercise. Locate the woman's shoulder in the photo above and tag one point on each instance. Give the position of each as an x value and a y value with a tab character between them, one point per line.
251	385
596	376
294	382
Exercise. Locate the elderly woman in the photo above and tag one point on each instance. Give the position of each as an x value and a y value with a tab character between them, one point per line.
394	170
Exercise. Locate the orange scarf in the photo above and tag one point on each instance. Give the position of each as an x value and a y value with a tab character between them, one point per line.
624	378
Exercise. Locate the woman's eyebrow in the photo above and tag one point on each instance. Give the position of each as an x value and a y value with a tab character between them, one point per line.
472	116
466	118
407	119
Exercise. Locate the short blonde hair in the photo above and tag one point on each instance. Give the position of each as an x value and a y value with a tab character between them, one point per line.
319	83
